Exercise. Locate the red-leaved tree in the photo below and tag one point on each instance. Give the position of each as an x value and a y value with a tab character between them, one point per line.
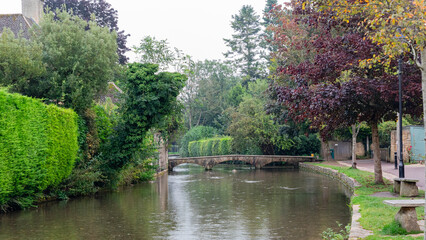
318	75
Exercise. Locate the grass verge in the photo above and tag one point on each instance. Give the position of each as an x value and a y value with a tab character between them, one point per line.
375	215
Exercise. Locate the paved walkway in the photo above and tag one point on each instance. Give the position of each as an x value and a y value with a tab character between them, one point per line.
414	171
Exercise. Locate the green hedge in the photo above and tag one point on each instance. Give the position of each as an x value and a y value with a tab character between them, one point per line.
195	134
38	145
210	147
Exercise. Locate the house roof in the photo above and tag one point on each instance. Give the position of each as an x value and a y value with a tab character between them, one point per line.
17	23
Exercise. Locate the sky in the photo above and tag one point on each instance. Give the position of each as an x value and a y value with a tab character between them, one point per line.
193	26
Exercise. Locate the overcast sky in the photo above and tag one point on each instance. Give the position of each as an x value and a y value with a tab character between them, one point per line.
195	27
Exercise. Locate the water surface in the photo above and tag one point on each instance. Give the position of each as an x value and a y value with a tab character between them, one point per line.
195	204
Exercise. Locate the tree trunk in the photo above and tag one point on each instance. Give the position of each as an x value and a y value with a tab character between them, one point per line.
354	135
378	178
325	151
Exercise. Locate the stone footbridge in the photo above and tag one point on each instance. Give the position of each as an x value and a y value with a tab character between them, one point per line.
258	161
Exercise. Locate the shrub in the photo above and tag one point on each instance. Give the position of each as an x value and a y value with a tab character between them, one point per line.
304	145
210	147
38	146
225	146
195	134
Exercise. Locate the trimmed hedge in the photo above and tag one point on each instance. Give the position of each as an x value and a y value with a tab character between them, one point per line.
38	145
195	134
210	147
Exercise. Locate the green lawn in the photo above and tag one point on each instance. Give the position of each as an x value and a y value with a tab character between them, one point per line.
375	215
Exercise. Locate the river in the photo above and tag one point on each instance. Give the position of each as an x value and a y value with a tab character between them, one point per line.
191	203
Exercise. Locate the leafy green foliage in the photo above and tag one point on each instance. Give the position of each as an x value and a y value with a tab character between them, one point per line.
62	143
38	146
105	122
20	61
80	58
342	234
206	94
244	45
194	134
148	101
105	16
210	147
253	130
303	145
158	52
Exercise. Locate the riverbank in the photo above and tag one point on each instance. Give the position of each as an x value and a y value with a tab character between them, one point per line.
373	215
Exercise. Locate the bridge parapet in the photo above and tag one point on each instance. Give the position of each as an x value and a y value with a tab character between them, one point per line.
258	161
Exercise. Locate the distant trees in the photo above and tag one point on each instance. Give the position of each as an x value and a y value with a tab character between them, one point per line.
245	50
105	16
211	81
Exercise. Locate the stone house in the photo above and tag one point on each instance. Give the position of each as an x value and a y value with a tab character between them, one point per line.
413	144
32	12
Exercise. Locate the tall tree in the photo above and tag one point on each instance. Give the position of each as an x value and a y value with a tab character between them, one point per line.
330	89
149	100
245	50
151	50
211	81
105	16
268	19
78	68
399	26
20	62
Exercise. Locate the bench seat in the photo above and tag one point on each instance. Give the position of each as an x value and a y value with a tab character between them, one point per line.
407	215
406	187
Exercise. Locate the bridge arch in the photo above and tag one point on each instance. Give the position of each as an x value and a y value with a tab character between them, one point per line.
250	161
258	161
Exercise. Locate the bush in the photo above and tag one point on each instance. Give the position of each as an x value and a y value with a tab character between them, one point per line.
225	146
304	145
195	134
38	146
210	147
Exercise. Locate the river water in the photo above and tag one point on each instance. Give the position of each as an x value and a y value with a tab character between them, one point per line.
191	203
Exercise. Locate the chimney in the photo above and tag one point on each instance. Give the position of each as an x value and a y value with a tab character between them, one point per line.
33	9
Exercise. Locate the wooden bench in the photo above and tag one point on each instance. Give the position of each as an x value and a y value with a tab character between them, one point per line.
406	187
407	215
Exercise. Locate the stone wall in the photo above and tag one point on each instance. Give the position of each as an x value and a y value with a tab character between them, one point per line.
345	180
360	149
163	153
406	141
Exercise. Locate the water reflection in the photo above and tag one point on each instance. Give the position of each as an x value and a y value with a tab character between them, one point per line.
194	204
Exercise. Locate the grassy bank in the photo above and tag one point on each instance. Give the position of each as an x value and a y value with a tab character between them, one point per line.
375	215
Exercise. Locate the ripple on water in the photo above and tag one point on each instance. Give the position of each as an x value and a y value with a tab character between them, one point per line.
247	181
289	188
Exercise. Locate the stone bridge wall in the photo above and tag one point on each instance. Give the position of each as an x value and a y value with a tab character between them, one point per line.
258	161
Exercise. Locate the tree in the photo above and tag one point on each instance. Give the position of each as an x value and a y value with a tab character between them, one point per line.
159	52
330	89
205	99
253	130
245	50
267	36
398	25
105	16
79	63
149	99
20	62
